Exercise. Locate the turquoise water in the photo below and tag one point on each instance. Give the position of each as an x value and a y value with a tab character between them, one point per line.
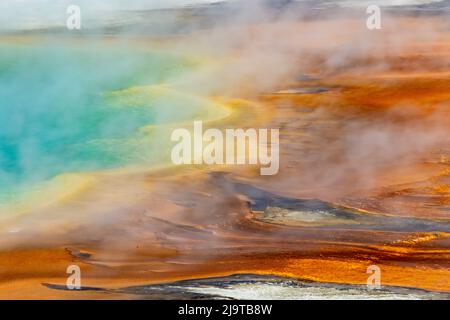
56	114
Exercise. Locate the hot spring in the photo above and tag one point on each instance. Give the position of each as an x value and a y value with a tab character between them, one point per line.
80	107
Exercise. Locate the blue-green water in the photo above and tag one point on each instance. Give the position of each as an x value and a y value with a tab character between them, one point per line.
57	114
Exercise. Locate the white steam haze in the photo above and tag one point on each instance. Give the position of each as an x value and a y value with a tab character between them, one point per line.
36	14
365	3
